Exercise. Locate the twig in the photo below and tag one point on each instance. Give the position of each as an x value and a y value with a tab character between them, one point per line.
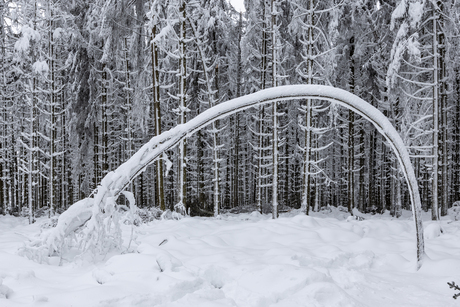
456	287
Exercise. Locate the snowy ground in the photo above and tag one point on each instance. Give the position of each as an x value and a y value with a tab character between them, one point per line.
245	260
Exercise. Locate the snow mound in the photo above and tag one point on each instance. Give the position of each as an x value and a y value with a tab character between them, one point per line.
216	276
454	212
40	299
171	215
432	230
167	263
102	276
5	292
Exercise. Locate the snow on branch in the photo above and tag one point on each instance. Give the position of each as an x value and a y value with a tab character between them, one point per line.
28	34
409	14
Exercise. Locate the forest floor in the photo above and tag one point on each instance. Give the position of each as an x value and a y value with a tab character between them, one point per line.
245	260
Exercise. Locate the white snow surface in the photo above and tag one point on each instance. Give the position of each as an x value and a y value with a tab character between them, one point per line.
244	260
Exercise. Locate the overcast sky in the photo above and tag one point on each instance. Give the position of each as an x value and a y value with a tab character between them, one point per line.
237	4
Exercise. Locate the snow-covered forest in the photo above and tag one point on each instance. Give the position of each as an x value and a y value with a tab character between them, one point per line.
86	83
295	200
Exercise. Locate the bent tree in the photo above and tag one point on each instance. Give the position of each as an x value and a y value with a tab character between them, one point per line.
114	183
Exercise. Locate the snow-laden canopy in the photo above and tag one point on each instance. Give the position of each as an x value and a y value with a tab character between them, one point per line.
115	182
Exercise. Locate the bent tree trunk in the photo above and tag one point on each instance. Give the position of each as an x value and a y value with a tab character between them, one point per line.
115	182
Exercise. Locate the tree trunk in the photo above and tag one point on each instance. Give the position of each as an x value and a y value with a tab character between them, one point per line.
159	188
456	139
306	201
443	110
435	152
372	171
261	143
104	118
182	105
275	114
52	166
237	141
362	160
351	132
